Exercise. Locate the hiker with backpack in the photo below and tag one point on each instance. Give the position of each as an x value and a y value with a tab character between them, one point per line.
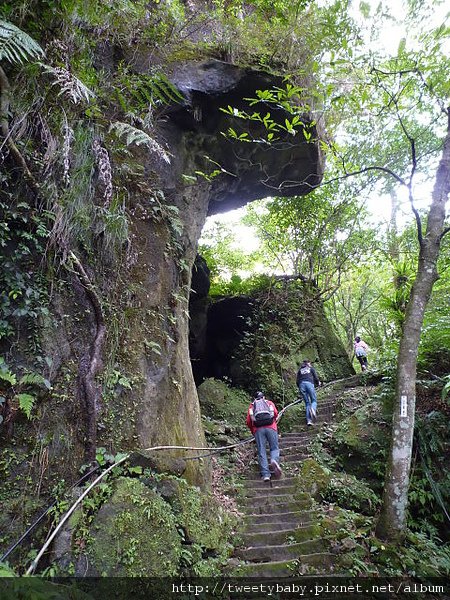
361	349
262	422
307	379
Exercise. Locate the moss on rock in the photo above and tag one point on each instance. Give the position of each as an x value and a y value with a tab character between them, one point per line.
313	478
127	534
360	441
221	403
160	463
350	492
201	517
363	431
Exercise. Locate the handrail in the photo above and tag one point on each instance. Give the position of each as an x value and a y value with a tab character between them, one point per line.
65	517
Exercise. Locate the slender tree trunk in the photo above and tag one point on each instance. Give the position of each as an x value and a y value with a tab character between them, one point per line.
393	229
392	522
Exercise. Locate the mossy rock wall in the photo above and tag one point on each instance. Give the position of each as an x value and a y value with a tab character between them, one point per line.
127	209
361	439
157	527
259	341
145	389
224	405
127	534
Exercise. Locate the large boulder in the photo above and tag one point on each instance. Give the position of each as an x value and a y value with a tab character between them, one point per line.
256	343
127	534
145	394
295	166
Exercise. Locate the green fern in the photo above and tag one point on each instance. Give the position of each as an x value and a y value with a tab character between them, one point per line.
149	90
6	570
164	90
136	136
26	402
34	378
132	134
7	375
16	46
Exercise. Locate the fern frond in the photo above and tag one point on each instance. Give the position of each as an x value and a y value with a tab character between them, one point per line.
136	136
26	402
7	375
34	379
71	86
165	90
16	46
152	90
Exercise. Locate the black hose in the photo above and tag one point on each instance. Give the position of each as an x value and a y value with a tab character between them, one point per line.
39	519
197	457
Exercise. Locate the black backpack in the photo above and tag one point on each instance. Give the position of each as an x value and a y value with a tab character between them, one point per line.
263	413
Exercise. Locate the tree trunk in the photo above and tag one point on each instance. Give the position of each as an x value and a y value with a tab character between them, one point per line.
393	228
392	522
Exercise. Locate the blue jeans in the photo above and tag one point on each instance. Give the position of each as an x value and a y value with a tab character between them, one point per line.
263	435
308	392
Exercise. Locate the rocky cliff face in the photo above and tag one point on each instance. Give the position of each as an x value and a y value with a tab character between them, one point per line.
259	340
116	333
164	404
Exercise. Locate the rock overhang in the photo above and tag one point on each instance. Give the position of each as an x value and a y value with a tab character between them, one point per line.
290	166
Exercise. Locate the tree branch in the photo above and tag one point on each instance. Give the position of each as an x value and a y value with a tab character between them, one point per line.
91	364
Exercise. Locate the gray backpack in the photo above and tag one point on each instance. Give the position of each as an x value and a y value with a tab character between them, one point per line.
263	413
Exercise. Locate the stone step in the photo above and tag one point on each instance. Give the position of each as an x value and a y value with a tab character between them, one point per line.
266	499
282	551
257	484
321	562
326	409
255	476
331	402
290	447
269	527
302	442
282	507
324	413
294	450
301	436
293	458
267	491
276	536
284	519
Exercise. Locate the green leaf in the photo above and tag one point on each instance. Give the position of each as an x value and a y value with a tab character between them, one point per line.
32	378
120	456
16	46
445	390
26	402
137	470
8	376
6	571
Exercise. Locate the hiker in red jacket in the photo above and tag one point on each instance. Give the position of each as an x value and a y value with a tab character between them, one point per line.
261	420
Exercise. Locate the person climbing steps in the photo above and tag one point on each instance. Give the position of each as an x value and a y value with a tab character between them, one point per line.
261	420
361	349
307	378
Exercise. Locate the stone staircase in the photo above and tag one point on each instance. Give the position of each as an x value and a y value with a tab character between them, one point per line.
280	535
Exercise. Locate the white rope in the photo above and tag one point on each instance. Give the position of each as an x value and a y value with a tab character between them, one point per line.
33	565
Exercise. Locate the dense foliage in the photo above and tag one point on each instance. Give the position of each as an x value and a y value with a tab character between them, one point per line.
76	115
